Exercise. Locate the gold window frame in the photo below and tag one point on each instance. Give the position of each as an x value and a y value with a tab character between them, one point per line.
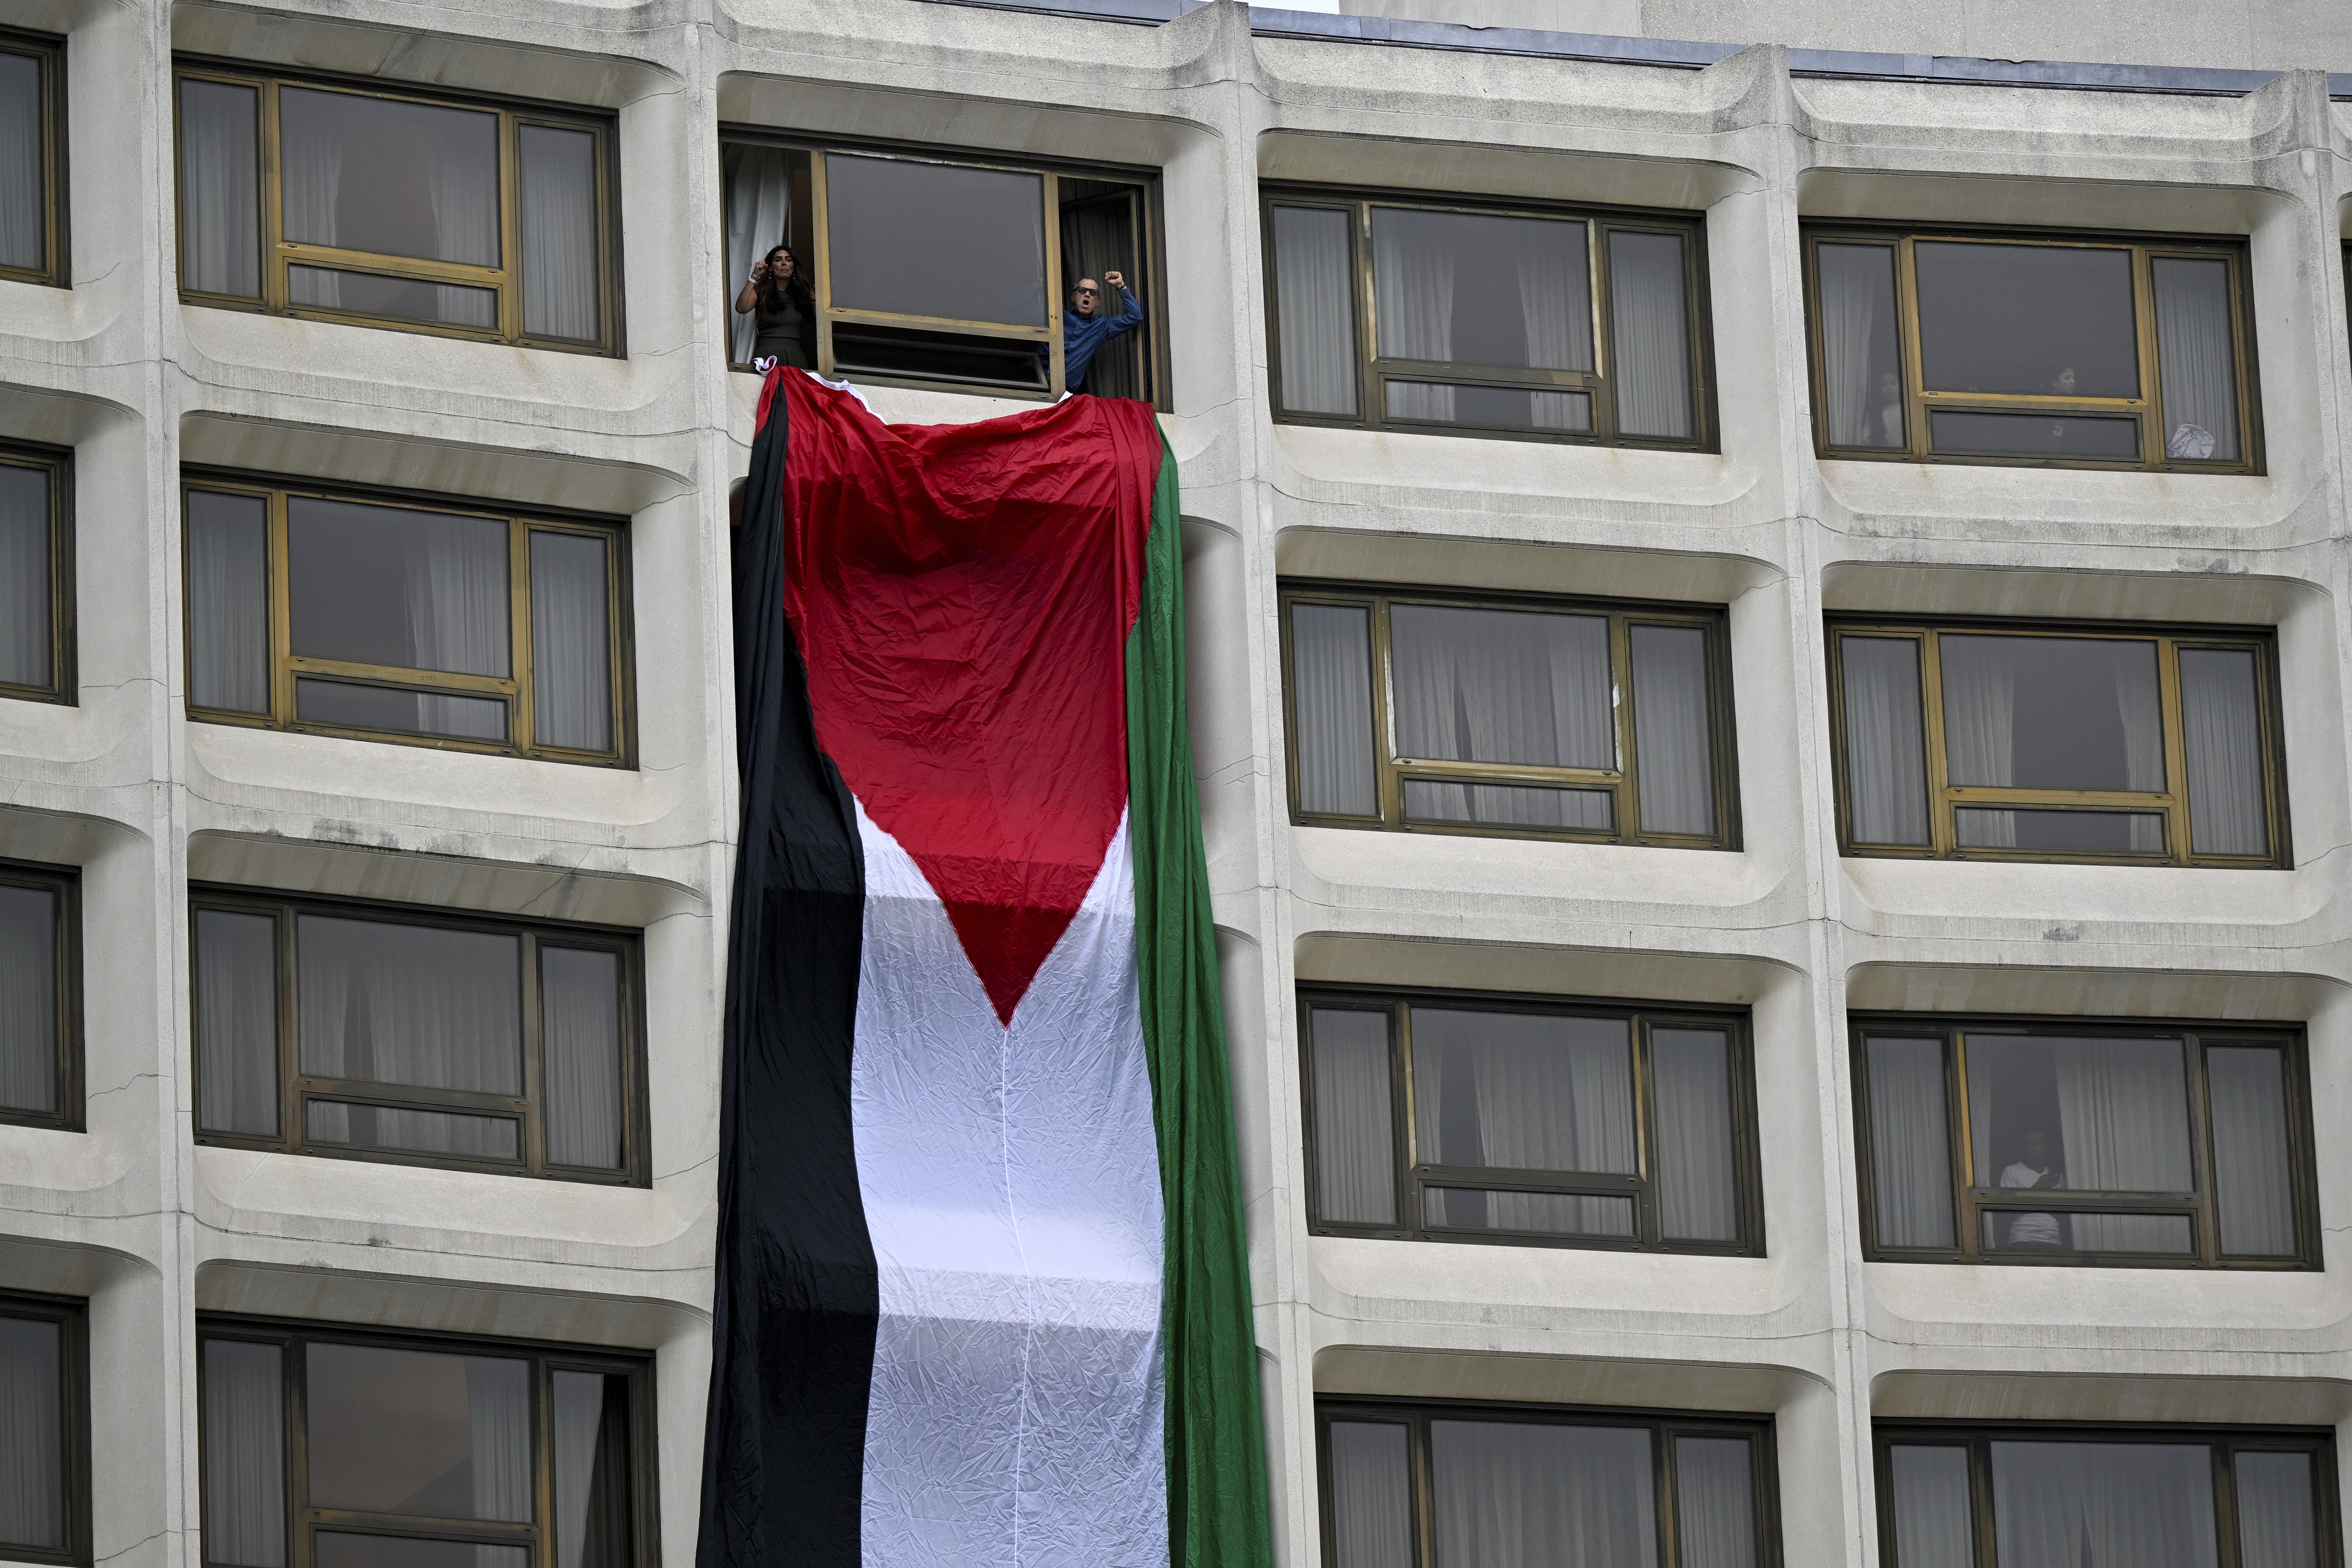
57	240
1149	239
64	685
1390	770
515	688
71	1317
277	254
1973	1199
2172	802
1413	1175
2146	408
1373	370
297	1088
62	883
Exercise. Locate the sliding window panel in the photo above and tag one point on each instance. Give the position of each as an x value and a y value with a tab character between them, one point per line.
40	996
220	188
1885	758
562	291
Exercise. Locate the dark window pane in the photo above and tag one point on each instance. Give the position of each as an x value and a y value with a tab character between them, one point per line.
559	233
1935	1521
2275	1524
1480	290
1502	686
1910	1143
2053	714
1523	1091
1674	743
588	1443
26	584
886	217
421	1005
24	205
1371	1496
401	299
342	1549
1965	433
245	1454
1650	331
228	601
349	706
29	1000
417	590
1862	383
2221	733
1355	1139
2252	1187
1885	758
32	1434
1491	407
2072	832
579	1007
220	189
2076	1114
937	356
391	177
2156	1235
570	665
413	1131
1315	297
1529	1493
1331	698
419	1432
1697	1192
1509	805
237	1023
1528	1214
2196	352
1714	1502
2050	318
2147	1504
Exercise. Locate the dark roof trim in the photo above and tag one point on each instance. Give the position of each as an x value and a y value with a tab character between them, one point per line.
2186	80
1267	22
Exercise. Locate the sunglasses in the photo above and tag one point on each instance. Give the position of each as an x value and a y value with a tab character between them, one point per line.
1082	291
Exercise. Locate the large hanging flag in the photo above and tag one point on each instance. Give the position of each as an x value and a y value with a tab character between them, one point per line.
981	1297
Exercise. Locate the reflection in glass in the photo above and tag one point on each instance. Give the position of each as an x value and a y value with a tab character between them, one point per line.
29	1001
346	706
2070	832
419	1432
2081	1114
1315	297
1355	1141
1535	1214
24	206
391	177
1371	1496
886	215
2051	319
1331	697
32	1434
1862	381
2196	356
228	601
389	585
1490	407
26	584
1885	759
2075	713
1502	686
1524	1492
1910	1142
399	298
1509	805
2150	1505
1964	432
1935	1525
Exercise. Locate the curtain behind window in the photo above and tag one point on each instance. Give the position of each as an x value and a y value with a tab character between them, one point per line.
758	209
1698	1198
465	188
1098	236
1315	302
1412	302
571	667
1650	334
579	1003
2222	733
1673	745
498	1417
32	1434
1856	301
245	1455
2196	358
1713	1505
220	189
2275	1528
1331	700
457	610
1371	1496
1523	1495
1355	1139
23	212
2061	1505
1502	686
2123	1114
29	1000
1527	1092
1910	1142
25	576
2253	1190
588	1443
559	233
228	607
237	1023
1934	1519
1885	755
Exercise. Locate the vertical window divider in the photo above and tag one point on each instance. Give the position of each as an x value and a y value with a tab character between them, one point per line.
1387	781
2155	424
2222	1460
511	306
821	264
1049	231
522	729
1372	392
1649	1219
287	983
1942	828
1604	330
2201	1152
1915	375
542	1478
2179	829
278	584
1410	1204
272	204
1621	716
295	1367
1664	1495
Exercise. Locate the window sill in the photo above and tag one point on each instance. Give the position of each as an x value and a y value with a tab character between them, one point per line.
2027	500
1367	459
2208	897
1554	870
1383	1280
2029	1299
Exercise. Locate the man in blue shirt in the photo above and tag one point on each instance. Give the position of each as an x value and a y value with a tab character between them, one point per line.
1086	329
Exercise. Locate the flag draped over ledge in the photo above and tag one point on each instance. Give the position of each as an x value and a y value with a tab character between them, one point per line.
981	1290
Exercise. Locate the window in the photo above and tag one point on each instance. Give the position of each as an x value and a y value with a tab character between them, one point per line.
1450	1117
438	625
2130	1143
948	269
2080	741
1539	323
323	1449
37	596
349	202
2153	1497
33	247
40	997
376	1033
1423	1484
2074	350
1509	714
44	1431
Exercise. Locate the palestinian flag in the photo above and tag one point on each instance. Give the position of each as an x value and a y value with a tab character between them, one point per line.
981	1292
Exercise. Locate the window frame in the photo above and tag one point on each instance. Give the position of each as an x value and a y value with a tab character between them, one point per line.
2223	1442
65	883
1944	798
1390	771
71	1315
516	687
302	1520
64	687
1412	1176
55	271
1151	240
1372	369
275	253
2196	1038
2146	408
1663	1425
296	1088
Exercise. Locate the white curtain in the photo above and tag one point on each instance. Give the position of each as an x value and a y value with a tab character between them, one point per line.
1525	1495
2222	733
1355	1140
2102	1505
1315	297
1503	686
588	1451
32	1435
25	576
571	665
1515	806
2276	1527
2142	720
559	233
1674	747
2253	1190
580	1008
229	609
1981	727
1910	1142
1371	1496
310	186
236	1022
461	171
1555	293
457	610
23	212
1885	757
1714	1512
245	1455
220	190
1935	1524
497	1413
759	211
29	1000
1699	1198
1524	1091
1412	302
2196	356
1857	306
1331	697
2123	1114
1650	334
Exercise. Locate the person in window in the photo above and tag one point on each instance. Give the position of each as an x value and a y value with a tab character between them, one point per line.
2060	386
1085	326
2031	1169
785	325
1890	408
